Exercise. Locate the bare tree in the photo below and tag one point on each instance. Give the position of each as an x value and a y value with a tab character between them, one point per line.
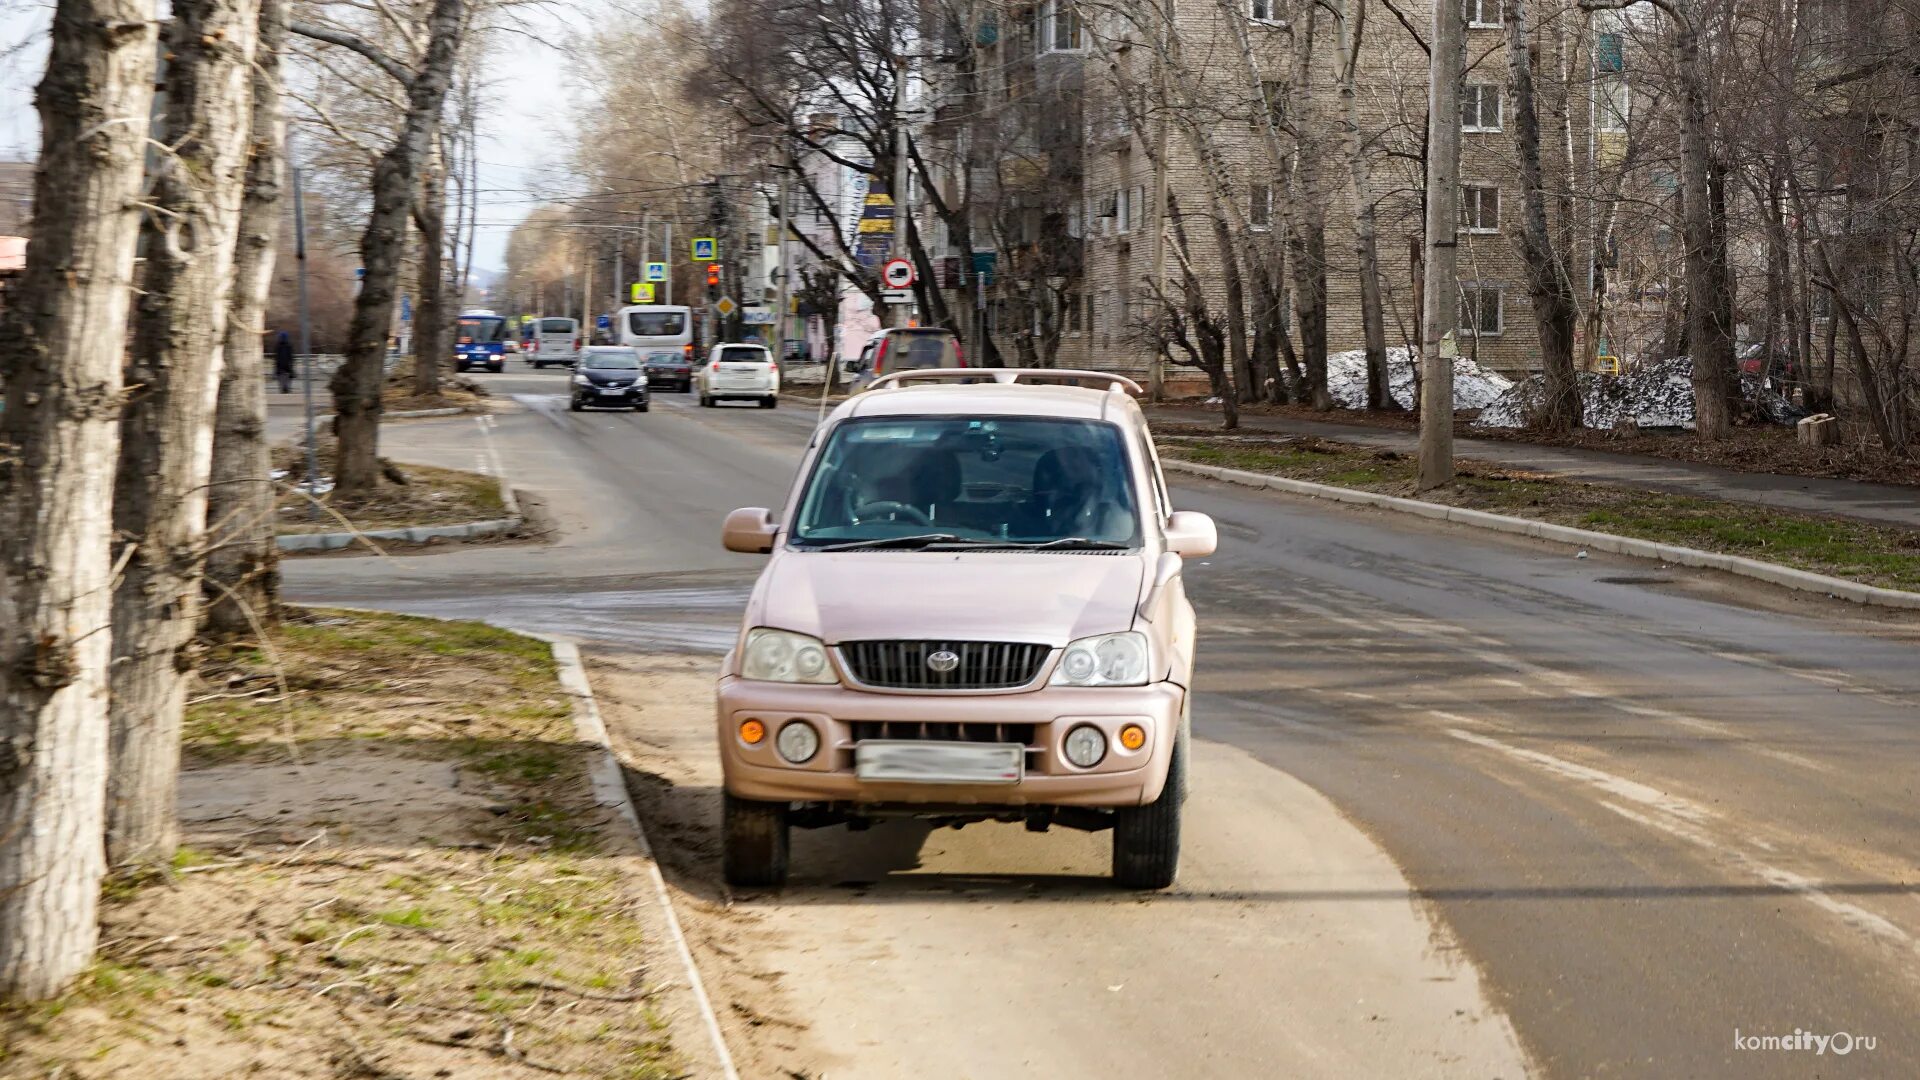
60	356
1554	308
173	380
357	384
242	567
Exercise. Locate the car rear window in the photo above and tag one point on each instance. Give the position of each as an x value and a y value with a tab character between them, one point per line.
657	323
744	354
556	326
911	351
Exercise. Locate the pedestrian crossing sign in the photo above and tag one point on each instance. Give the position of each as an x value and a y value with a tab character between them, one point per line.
656	271
642	292
705	249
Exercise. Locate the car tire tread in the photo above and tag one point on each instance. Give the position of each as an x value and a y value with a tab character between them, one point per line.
1146	839
754	843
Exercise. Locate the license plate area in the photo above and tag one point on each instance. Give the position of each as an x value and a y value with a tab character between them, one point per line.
929	762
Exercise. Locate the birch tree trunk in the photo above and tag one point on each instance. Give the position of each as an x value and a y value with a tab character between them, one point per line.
1554	308
166	432
356	385
430	313
242	563
60	354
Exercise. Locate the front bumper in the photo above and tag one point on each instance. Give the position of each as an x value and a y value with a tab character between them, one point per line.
631	395
1122	778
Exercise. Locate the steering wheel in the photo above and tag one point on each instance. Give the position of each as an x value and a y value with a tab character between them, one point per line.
892	509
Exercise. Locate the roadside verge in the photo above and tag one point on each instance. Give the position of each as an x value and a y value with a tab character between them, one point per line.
1761	570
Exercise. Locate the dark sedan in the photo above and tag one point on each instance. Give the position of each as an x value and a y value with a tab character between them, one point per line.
669	368
609	377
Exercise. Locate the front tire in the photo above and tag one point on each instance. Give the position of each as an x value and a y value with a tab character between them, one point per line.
755	843
1146	839
642	407
574	404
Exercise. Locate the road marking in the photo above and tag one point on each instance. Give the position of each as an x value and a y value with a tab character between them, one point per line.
1620	786
1682	818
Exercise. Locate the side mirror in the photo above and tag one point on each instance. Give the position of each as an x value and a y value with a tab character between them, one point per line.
749	530
1191	534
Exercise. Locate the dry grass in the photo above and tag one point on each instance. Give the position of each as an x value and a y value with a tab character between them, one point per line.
431	496
395	868
1875	555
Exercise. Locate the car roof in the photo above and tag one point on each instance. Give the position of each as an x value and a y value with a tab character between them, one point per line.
990	399
884	331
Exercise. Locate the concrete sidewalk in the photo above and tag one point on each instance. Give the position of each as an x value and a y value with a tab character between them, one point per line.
1889	504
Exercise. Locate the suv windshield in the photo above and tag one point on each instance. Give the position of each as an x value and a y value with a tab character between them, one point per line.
967	481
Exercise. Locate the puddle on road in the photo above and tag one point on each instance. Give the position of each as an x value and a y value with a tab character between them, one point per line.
696	620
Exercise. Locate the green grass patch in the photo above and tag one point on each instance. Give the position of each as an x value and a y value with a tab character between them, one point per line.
1871	554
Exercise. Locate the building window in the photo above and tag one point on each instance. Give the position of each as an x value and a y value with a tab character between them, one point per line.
1260	207
1273	96
1614	104
1138	204
1074	210
1483	13
1070	317
1264	10
1609	52
1480	107
1480	208
1481	312
1059	28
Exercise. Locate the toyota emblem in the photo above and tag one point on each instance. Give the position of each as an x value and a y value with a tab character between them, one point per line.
943	661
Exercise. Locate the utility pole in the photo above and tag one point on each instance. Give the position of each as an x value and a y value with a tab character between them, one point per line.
586	296
1157	373
902	205
667	253
786	278
646	256
1441	301
306	343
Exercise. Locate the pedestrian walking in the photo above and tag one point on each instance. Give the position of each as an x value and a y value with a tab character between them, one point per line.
283	363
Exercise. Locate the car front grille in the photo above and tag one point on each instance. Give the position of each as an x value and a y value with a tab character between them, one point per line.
1027	735
976	665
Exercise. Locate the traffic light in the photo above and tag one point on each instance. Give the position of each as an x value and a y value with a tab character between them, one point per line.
713	274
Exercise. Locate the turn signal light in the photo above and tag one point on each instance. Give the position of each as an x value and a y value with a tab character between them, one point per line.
1133	736
752	732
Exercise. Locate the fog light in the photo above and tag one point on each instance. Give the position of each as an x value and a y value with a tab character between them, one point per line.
752	732
797	742
1133	736
1085	746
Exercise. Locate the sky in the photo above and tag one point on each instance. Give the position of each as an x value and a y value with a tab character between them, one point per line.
530	97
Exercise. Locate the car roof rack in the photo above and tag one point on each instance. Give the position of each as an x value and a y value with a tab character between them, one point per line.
1008	377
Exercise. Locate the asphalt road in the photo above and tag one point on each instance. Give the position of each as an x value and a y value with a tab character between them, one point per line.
1628	810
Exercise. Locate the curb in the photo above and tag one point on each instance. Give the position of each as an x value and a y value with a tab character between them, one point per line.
405	414
1772	573
420	534
610	790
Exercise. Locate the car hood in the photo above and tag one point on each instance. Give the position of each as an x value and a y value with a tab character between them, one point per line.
978	596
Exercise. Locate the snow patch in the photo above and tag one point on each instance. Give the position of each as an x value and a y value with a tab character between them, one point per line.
1474	387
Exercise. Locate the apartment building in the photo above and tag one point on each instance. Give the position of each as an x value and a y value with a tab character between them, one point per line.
1275	133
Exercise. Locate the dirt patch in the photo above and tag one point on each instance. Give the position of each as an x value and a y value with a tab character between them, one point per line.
653	706
1875	555
393	867
414	495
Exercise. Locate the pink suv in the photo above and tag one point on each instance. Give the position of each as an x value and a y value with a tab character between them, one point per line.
973	612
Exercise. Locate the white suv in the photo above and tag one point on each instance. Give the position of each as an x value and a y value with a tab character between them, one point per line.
738	372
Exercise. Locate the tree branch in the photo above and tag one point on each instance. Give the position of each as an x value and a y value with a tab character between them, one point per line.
355	43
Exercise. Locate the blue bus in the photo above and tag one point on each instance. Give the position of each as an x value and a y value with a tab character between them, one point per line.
480	341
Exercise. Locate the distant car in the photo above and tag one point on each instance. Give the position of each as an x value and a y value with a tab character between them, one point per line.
608	377
668	368
906	348
555	341
735	372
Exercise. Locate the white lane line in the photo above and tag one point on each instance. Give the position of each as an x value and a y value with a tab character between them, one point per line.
1682	818
611	789
1619	786
1808	888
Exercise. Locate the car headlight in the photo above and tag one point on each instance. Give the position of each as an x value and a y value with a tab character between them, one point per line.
641	382
784	656
582	380
1107	660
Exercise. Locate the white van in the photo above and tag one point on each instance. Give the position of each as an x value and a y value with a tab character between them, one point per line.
555	341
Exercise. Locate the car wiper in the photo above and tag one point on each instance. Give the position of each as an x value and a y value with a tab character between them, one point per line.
916	541
1067	543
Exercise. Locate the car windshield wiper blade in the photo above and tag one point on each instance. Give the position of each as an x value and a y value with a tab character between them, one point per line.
1068	543
914	541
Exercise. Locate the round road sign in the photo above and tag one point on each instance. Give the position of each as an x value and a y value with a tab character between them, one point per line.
897	273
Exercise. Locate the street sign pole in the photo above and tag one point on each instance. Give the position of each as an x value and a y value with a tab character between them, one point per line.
669	254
